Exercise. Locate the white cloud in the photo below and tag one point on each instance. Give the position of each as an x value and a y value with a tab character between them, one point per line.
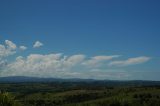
37	44
97	60
62	66
8	49
10	45
51	65
130	61
74	60
3	64
22	47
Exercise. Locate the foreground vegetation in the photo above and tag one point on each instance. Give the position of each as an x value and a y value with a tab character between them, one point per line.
77	94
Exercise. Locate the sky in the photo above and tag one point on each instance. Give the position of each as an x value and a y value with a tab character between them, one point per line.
97	39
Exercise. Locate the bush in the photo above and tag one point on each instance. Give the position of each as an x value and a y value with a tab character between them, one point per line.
7	99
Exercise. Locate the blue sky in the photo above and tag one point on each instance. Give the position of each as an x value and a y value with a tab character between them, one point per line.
124	28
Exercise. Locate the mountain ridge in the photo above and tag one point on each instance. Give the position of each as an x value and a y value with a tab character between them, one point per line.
39	79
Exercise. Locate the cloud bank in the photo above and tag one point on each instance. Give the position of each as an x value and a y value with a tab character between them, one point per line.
52	65
58	65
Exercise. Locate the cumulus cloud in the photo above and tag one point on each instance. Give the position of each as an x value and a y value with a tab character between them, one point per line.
3	63
130	61
51	65
10	45
62	66
37	44
22	47
74	60
8	49
59	66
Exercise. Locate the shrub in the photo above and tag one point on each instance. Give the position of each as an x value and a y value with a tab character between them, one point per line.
7	99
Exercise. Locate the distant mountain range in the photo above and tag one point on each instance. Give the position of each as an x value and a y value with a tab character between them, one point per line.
38	79
23	79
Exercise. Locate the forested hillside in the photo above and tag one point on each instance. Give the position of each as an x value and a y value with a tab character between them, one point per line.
77	94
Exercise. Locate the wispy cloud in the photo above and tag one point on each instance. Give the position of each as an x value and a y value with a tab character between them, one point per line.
130	61
97	60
